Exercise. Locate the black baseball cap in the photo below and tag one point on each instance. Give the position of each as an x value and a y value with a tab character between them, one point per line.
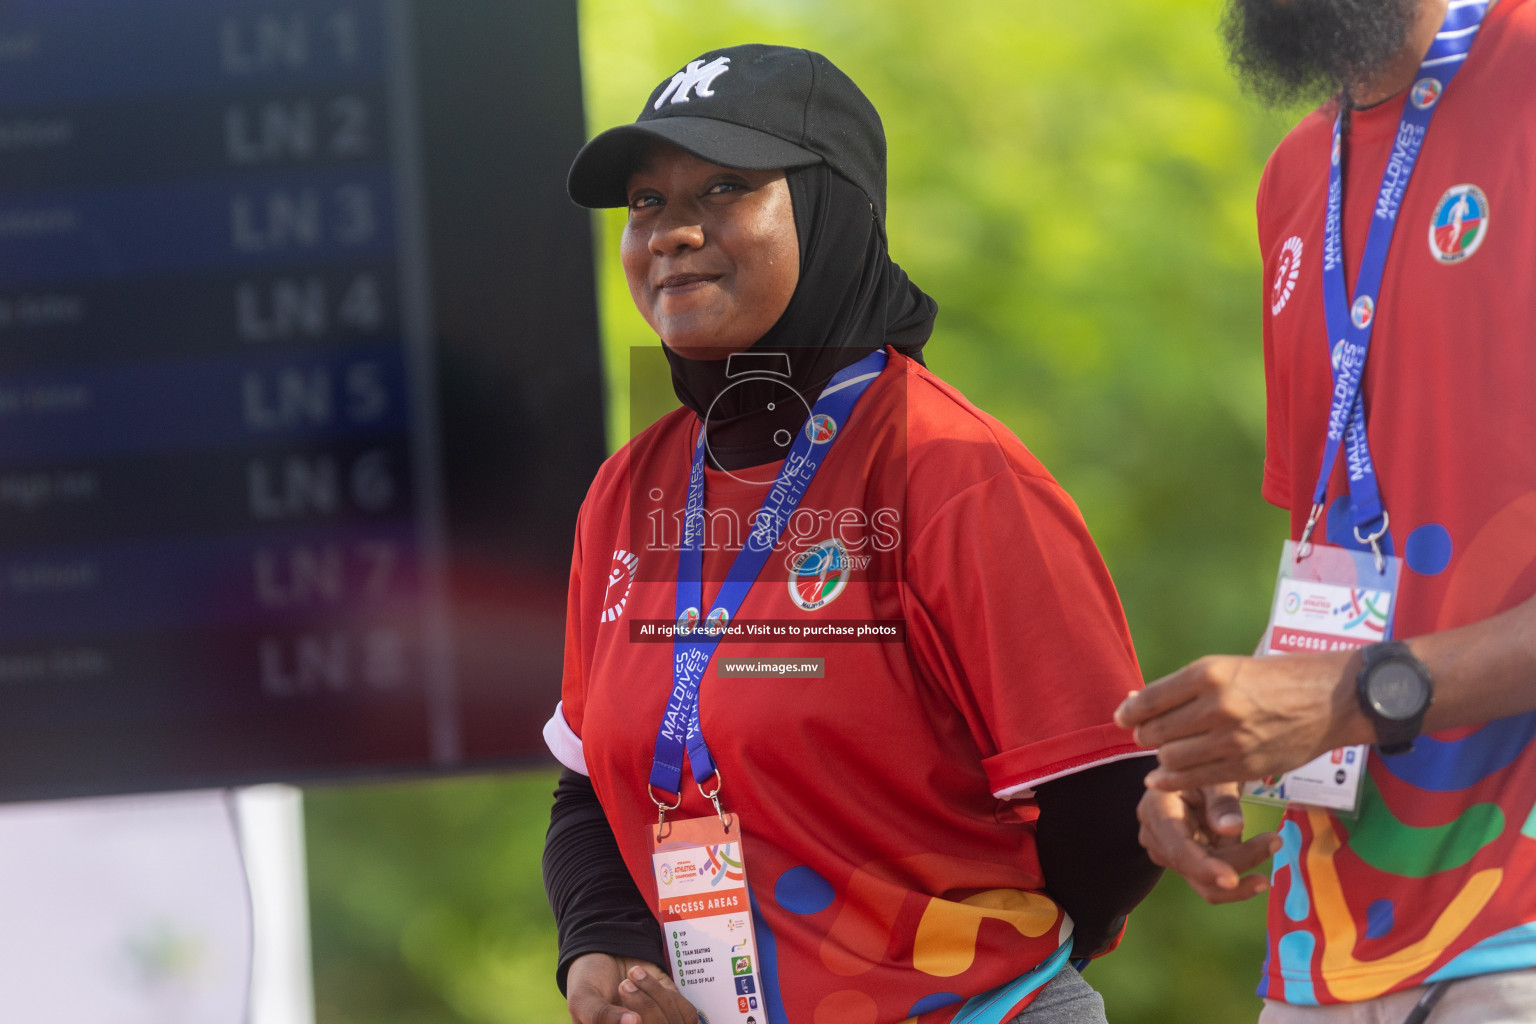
753	107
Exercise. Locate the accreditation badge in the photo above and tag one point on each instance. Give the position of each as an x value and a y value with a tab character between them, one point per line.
1331	599
706	917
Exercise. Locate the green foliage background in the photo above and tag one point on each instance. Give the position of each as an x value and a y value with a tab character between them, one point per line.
1073	182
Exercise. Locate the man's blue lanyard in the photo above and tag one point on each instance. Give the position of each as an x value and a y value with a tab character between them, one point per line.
696	640
1350	323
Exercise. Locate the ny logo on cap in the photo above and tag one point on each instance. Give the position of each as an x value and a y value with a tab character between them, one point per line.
697	76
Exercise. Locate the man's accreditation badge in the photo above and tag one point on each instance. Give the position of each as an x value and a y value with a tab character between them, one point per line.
1332	599
706	918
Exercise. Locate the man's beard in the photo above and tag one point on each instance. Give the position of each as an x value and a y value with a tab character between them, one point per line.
1284	51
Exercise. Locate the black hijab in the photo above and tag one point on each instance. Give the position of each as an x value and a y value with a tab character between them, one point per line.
851	299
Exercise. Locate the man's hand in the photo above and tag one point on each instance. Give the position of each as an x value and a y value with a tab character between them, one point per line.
1199	834
1230	719
604	989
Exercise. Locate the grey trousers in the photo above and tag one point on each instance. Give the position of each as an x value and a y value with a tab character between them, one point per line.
1065	999
1508	997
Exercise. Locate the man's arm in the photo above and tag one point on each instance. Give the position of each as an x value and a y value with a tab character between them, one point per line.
1230	719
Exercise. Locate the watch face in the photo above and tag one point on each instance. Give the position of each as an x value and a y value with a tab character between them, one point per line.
1397	690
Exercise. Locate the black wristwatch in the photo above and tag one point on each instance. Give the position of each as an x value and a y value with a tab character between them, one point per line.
1395	690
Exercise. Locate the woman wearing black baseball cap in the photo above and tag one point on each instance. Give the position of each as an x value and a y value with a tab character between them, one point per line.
841	658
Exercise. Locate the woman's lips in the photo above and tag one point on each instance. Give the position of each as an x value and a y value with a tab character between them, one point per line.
682	284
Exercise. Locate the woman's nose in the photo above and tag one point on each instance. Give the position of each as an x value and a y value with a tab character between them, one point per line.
677	230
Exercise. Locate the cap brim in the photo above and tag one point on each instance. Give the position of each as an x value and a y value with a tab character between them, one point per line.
601	170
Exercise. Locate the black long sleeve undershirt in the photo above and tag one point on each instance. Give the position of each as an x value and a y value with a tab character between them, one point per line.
1086	839
597	907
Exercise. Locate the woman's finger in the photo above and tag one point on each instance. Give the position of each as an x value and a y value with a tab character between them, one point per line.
656	998
1173	832
1170	833
589	1007
1247	888
642	1003
1249	854
1223	811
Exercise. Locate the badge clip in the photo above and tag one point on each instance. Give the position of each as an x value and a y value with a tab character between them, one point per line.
714	798
663	808
1304	546
1374	540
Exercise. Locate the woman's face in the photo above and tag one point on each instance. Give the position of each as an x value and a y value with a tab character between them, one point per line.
710	252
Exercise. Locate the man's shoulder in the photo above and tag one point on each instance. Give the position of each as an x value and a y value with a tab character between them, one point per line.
1514	21
1296	162
1314	130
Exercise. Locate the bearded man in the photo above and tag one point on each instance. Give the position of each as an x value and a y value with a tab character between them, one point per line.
1397	225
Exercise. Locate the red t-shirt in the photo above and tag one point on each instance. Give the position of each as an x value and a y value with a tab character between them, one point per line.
1437	877
886	807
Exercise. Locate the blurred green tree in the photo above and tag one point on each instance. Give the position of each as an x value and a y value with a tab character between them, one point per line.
1074	184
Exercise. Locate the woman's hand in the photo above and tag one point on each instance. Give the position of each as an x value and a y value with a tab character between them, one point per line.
1199	834
604	989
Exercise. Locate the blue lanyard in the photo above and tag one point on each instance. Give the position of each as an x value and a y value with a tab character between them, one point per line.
1350	324
695	641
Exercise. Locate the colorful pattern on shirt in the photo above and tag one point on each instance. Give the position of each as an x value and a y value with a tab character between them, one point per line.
1437	877
889	880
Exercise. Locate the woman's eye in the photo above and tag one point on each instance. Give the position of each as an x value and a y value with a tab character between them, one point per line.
722	187
644	202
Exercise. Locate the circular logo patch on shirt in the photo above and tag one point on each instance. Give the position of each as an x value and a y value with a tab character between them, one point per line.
621	576
687	620
818	574
820	428
1286	272
1425	92
1459	225
1362	312
717	620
